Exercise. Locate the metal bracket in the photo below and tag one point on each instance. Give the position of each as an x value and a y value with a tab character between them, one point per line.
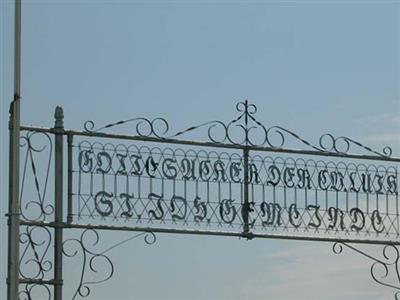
382	269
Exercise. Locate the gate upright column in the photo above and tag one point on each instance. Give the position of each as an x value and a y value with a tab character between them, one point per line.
58	207
246	204
13	205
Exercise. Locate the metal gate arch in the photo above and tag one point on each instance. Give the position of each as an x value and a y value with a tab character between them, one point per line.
241	180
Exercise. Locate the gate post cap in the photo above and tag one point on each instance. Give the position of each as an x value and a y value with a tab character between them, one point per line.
59	117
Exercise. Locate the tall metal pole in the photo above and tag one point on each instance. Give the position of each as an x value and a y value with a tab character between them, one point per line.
17	51
14	201
58	197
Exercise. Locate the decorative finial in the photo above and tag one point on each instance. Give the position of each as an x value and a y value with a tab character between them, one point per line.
59	117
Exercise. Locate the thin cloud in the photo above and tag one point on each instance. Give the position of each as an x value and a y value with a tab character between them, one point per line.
387	118
311	271
382	128
390	138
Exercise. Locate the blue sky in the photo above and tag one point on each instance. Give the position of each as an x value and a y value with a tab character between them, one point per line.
310	66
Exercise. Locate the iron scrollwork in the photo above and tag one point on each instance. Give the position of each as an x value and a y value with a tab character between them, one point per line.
34	262
92	259
157	127
205	172
381	268
245	130
36	208
32	291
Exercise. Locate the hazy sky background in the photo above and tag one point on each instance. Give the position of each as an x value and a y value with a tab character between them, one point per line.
310	66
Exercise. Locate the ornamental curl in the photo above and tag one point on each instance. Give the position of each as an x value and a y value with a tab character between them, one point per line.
90	260
380	268
150	238
216	131
34	291
157	127
244	130
36	161
342	145
34	262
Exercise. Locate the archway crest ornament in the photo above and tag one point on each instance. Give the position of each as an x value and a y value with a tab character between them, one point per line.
241	180
252	133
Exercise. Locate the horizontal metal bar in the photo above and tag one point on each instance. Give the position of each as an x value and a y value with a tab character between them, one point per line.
36	281
249	235
214	145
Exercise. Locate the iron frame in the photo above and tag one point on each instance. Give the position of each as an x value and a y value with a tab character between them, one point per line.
59	224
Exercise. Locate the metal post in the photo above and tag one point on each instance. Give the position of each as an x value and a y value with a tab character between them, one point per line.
13	194
13	207
246	205
70	139
58	207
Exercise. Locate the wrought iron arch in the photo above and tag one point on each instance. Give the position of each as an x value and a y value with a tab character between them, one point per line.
259	187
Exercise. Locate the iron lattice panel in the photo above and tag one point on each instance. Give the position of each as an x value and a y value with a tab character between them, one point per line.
324	197
140	184
159	186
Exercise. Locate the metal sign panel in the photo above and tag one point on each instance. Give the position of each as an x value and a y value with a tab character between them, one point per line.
245	188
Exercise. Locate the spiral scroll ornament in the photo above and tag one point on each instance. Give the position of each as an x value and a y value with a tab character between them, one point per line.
35	262
144	127
385	270
92	261
36	156
95	262
31	291
244	130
